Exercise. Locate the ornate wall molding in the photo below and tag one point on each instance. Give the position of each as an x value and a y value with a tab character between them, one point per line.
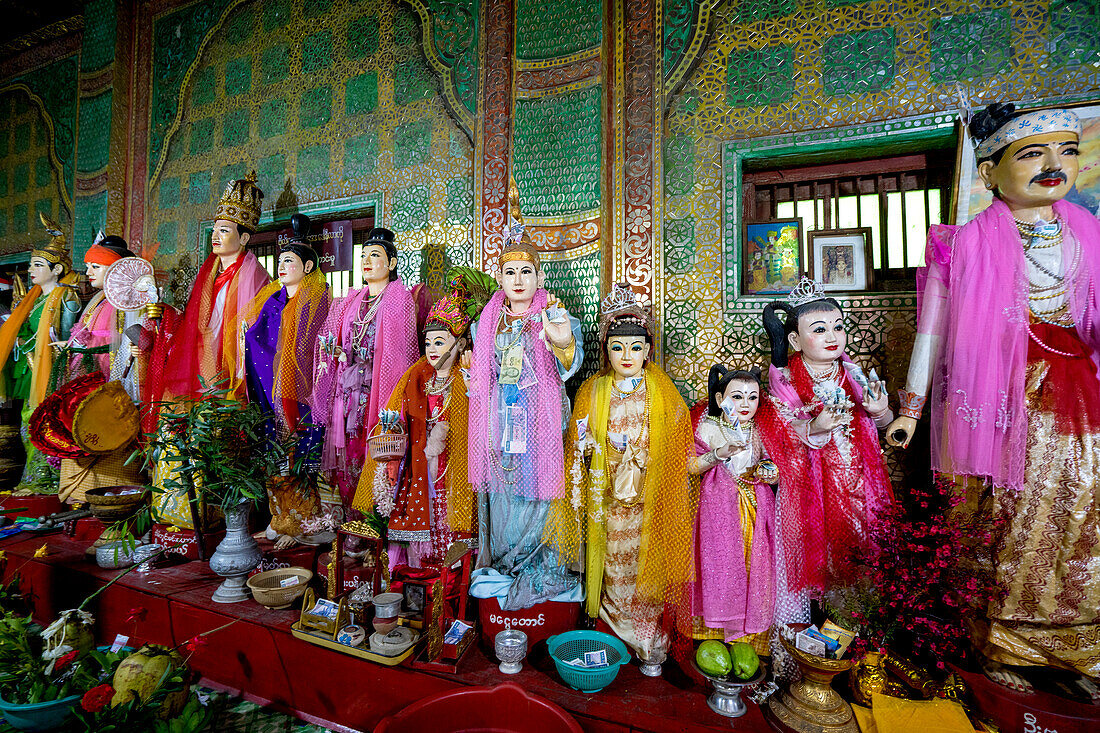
450	45
493	142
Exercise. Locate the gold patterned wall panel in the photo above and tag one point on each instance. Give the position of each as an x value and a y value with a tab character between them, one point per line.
808	73
326	101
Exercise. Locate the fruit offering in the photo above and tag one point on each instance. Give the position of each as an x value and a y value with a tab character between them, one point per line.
713	659
744	660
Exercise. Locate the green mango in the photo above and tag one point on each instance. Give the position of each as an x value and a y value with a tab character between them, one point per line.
713	659
745	662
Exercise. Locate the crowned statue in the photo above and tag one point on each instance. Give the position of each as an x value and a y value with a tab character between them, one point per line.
45	315
1006	348
734	592
197	349
275	365
525	346
629	499
425	493
820	426
367	342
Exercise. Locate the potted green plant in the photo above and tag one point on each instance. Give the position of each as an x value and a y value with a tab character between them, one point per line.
228	452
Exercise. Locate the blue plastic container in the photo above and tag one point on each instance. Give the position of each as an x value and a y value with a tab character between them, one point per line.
573	644
39	716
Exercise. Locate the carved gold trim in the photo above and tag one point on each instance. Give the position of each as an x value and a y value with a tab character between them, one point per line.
563	89
42	35
579	56
465	119
564	219
40	105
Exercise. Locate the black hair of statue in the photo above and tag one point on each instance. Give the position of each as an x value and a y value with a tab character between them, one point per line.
117	245
987	121
779	329
719	378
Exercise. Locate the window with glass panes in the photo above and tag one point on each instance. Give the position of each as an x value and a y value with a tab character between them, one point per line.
897	198
263	245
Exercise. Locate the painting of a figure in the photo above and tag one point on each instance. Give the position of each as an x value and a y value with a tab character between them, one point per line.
771	256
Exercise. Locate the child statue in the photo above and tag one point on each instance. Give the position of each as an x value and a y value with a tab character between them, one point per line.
734	593
102	331
820	426
1007	343
367	342
430	504
629	493
46	314
278	332
525	346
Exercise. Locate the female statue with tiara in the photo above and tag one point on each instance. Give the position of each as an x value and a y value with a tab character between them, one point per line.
734	593
820	425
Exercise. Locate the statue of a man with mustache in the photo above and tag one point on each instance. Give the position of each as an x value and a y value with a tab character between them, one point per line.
1007	345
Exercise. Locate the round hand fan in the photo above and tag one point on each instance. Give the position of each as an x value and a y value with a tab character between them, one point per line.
129	284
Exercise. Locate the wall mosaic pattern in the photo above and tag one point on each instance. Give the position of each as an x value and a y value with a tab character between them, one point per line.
789	75
37	151
332	105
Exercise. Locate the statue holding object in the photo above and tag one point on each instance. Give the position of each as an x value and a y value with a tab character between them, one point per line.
367	342
734	593
630	502
820	425
525	347
1007	344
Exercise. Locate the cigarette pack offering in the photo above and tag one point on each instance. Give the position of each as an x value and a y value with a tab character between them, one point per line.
810	644
842	636
831	645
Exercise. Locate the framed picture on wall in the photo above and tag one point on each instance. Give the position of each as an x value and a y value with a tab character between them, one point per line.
771	256
972	197
841	259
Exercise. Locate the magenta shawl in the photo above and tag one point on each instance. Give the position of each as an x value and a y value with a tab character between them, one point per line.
727	595
979	421
395	350
542	473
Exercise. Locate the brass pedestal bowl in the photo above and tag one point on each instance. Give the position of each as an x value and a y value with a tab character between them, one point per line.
110	505
811	705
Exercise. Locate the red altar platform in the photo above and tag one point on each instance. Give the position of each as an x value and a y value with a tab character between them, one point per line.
258	657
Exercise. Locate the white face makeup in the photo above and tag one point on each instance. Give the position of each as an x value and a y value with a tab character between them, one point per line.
821	337
225	241
95	273
292	269
41	272
627	355
377	265
519	279
740	400
436	345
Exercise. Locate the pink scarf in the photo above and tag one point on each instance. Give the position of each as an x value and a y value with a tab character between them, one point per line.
541	473
979	421
727	595
395	350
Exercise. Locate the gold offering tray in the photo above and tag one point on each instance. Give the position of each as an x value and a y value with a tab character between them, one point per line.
322	631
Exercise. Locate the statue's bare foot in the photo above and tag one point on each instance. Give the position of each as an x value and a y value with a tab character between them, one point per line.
1006	677
267	534
285	541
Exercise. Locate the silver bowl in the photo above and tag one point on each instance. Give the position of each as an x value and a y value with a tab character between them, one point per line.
726	698
510	646
145	556
115	555
387	605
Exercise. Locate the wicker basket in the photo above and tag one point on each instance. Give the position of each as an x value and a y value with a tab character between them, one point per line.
388	446
268	590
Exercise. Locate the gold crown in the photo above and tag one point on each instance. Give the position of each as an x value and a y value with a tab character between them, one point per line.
56	251
517	243
241	202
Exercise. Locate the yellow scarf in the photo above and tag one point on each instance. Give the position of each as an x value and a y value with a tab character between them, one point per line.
666	554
